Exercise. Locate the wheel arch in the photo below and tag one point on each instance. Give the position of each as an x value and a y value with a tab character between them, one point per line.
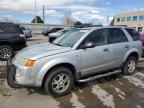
49	66
66	65
134	53
7	43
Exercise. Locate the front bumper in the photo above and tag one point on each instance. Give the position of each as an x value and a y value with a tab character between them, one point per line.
23	80
22	74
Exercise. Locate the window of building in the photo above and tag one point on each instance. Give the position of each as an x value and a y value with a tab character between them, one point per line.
118	19
134	18
129	18
141	18
123	19
117	35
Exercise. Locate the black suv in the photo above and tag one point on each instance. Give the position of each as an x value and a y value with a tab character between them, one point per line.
11	39
46	33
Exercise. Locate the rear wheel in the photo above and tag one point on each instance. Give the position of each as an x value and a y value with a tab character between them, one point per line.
59	82
130	66
5	52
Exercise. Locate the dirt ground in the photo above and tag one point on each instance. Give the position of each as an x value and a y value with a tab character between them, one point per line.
117	91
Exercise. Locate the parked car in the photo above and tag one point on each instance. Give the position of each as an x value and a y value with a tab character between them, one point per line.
142	37
79	55
11	39
53	36
142	40
45	33
26	31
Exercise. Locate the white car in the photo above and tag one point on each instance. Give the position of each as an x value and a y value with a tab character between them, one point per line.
53	36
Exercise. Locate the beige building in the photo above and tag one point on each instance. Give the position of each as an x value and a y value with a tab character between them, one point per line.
133	19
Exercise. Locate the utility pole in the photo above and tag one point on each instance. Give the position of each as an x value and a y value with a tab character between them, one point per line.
35	12
43	13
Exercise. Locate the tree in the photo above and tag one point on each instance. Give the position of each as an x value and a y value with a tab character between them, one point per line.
68	19
77	23
38	18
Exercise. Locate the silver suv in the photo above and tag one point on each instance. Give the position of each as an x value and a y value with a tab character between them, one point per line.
79	55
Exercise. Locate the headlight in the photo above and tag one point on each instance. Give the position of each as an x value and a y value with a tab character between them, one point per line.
25	62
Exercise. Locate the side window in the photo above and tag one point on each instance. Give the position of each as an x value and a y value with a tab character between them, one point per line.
9	29
99	37
1	29
116	35
134	34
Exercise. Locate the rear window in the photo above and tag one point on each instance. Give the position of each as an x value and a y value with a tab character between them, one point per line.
117	35
9	29
134	34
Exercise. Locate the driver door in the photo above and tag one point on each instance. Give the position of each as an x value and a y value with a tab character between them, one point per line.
98	58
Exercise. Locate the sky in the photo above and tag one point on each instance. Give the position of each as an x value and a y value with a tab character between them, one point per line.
86	11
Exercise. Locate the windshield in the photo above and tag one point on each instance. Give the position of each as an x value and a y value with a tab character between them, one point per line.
59	31
70	38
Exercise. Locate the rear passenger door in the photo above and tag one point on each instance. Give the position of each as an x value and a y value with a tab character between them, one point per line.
119	44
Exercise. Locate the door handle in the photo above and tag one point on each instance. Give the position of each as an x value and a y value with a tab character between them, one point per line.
106	49
126	46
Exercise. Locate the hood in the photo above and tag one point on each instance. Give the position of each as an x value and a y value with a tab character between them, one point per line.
42	50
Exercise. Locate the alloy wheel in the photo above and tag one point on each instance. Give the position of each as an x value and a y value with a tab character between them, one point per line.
60	83
5	53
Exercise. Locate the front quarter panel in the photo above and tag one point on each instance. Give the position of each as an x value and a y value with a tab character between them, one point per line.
47	63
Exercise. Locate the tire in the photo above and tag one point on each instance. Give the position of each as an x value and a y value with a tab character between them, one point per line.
5	52
11	78
53	82
126	69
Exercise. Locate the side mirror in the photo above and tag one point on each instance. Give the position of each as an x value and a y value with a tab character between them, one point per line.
88	45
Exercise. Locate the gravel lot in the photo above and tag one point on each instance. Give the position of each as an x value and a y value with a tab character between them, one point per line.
116	91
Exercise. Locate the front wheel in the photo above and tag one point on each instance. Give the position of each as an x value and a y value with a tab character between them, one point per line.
59	82
130	66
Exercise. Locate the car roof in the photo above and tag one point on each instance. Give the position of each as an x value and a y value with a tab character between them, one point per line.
8	23
95	28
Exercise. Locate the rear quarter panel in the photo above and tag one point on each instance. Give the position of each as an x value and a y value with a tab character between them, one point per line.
135	46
